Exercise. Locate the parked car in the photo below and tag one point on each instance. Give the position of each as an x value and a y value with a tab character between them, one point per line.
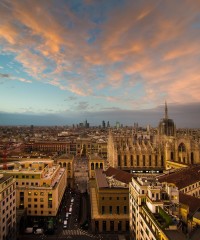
29	230
39	231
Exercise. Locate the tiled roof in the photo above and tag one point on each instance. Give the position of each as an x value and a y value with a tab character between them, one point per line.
119	175
182	178
192	202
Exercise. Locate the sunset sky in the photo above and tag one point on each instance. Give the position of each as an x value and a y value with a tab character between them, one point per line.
117	60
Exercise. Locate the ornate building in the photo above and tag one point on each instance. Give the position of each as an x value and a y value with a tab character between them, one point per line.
164	148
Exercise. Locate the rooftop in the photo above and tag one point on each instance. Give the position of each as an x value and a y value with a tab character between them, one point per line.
182	178
119	175
192	202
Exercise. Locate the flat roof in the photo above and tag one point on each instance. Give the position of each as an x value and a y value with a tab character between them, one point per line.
4	178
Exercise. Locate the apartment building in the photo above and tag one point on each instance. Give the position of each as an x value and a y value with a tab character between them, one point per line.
40	186
109	201
7	207
153	210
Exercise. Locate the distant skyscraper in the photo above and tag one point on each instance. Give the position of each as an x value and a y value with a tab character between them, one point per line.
117	125
103	124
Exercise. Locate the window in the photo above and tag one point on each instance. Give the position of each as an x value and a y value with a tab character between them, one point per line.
125	161
138	158
35	193
125	209
149	160
143	160
41	199
35	199
29	199
92	166
156	160
35	205
162	160
103	209
41	193
110	209
131	160
117	209
119	160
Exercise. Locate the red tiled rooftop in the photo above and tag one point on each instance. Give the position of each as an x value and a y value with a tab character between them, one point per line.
119	175
192	202
182	178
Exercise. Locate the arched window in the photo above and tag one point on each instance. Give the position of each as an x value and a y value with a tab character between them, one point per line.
138	160
150	160
101	165
144	162
125	161
192	157
64	164
162	160
131	160
92	166
97	165
119	160
182	148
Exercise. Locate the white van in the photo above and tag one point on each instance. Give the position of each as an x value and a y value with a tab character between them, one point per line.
70	209
67	215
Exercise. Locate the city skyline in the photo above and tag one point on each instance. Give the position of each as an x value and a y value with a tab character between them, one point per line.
68	61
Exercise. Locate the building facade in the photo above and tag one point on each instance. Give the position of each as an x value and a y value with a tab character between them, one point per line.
40	186
109	201
162	148
149	210
7	207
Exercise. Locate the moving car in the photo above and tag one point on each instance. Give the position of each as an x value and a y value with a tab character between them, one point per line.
65	224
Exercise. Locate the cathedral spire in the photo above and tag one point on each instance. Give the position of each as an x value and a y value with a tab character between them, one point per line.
166	111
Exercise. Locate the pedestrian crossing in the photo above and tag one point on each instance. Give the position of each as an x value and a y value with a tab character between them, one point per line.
72	232
77	232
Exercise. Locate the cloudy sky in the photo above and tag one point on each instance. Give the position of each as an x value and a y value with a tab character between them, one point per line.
119	60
